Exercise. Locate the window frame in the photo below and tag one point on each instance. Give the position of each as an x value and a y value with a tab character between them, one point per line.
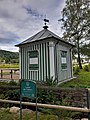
34	54
64	60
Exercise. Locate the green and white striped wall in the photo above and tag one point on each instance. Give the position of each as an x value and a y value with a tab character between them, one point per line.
48	64
45	61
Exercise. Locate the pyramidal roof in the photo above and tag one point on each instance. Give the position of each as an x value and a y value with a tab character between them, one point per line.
43	34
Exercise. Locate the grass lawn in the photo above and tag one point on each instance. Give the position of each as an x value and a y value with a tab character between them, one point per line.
9	65
82	81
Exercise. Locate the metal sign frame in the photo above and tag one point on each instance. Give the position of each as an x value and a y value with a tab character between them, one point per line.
29	90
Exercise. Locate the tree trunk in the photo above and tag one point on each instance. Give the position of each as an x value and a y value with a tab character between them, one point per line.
79	60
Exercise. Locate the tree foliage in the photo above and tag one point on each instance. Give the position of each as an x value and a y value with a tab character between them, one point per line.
76	23
85	49
9	57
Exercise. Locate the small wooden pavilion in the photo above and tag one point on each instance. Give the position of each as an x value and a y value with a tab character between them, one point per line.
45	55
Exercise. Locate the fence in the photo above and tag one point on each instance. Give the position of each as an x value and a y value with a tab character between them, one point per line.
9	73
77	109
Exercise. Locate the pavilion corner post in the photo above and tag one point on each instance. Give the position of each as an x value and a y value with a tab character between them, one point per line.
55	58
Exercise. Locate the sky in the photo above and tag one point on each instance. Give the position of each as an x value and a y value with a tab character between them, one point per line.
21	19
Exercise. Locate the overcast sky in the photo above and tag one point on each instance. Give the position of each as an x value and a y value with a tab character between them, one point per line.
20	19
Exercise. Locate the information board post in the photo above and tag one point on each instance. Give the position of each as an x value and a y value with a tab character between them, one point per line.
27	89
20	102
36	105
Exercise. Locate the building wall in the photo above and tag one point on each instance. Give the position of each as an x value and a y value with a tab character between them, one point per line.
66	73
46	61
49	61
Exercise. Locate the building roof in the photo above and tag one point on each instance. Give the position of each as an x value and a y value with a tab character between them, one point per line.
43	34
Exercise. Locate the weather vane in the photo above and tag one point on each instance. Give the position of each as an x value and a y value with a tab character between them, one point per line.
45	20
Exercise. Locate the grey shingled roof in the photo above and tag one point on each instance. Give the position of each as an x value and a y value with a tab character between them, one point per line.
45	33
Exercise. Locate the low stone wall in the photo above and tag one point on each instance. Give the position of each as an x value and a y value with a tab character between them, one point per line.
62	96
69	96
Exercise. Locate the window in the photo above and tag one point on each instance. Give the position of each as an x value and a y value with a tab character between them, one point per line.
64	59
33	60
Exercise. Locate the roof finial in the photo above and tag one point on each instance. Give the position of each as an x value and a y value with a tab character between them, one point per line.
45	20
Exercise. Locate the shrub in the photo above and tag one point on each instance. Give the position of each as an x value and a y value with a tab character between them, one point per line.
12	82
76	70
45	97
89	66
51	82
86	68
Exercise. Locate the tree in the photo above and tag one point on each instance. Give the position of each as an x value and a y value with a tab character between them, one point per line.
85	49
76	23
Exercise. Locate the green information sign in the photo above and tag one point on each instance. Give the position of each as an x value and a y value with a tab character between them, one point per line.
28	88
